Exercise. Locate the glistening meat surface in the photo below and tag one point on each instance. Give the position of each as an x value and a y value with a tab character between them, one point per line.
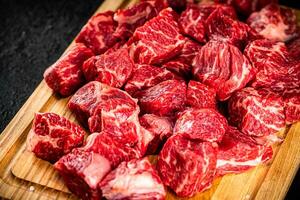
53	136
222	66
136	179
146	43
238	152
187	166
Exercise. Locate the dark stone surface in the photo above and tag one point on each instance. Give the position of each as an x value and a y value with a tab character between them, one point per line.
33	34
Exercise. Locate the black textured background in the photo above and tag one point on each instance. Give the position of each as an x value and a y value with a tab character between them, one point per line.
33	34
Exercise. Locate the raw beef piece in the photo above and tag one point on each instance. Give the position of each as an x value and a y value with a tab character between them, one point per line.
224	28
160	127
97	34
85	101
258	113
187	166
113	69
287	78
158	40
238	153
294	48
203	124
222	66
65	75
105	107
208	8
193	20
189	51
116	112
291	99
82	171
84	168
181	65
112	147
163	99
200	95
267	53
274	64
131	18
146	76
178	67
53	136
145	139
274	22
111	110
246	7
133	180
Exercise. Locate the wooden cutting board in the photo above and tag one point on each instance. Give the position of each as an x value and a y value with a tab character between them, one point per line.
23	176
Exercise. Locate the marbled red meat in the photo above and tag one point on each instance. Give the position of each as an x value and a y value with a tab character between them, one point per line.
224	28
113	69
275	67
181	64
146	76
257	113
291	99
193	20
136	179
105	107
189	51
223	67
265	52
152	52
112	147
158	40
238	153
163	99
187	166
201	96
85	101
145	139
84	168
274	22
82	171
53	136
65	75
179	67
131	18
160	127
109	109
203	124
118	114
97	34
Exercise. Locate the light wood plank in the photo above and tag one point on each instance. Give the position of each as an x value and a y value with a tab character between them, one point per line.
284	167
39	172
20	171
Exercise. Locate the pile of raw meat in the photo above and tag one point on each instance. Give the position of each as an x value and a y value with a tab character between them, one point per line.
206	86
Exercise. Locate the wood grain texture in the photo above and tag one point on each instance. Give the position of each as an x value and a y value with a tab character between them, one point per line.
284	167
23	176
